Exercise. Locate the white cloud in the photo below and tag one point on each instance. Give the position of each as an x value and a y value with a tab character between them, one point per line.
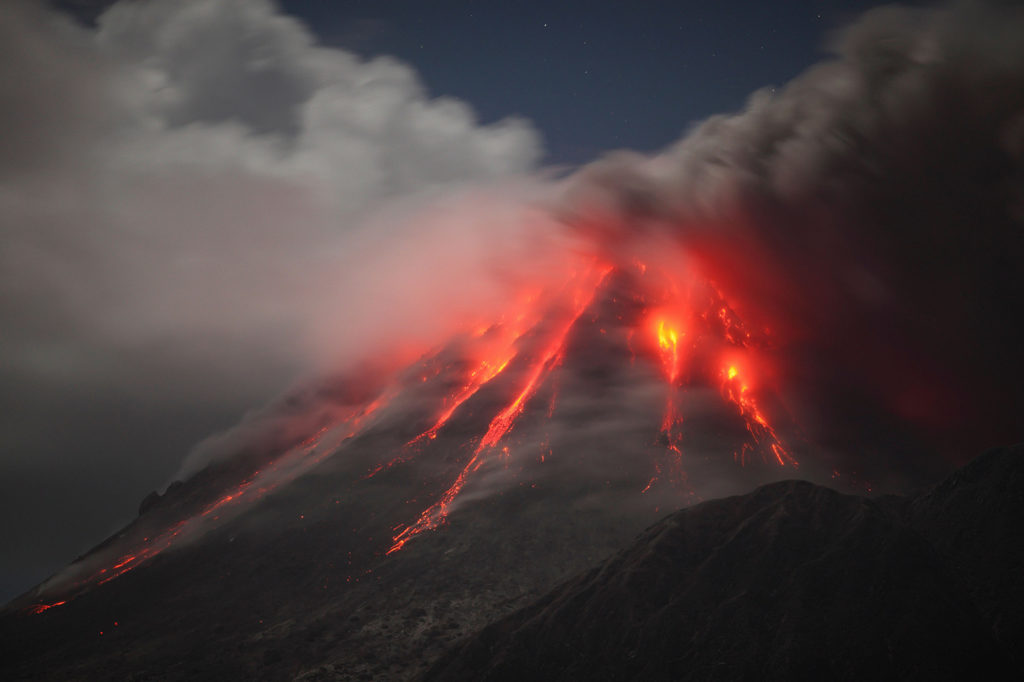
184	191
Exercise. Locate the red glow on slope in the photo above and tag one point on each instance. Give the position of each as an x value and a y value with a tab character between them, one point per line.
39	608
736	389
665	314
540	369
293	463
495	347
549	358
487	370
691	325
669	335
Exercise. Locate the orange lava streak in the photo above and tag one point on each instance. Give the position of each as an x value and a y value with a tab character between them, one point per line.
668	332
736	390
552	355
39	608
293	463
487	370
498	354
668	344
435	515
668	424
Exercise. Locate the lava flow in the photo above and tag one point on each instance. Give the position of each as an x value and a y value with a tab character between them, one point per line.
490	374
736	390
287	467
500	425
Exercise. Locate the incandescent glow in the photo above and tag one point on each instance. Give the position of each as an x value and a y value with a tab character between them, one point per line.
487	370
736	389
539	369
668	343
498	367
668	334
39	608
287	467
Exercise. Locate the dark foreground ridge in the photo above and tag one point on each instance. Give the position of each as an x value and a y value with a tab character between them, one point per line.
791	581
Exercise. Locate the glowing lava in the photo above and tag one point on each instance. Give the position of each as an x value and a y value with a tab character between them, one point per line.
668	342
40	608
487	370
501	424
289	466
736	389
669	335
677	322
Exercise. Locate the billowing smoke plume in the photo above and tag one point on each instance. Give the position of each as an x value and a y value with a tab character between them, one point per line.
870	215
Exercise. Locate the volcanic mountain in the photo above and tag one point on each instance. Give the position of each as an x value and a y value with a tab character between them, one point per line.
361	525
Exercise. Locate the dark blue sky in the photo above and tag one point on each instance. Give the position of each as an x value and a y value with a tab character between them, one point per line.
592	76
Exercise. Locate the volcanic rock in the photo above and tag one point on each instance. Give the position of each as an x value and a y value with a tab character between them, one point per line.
792	581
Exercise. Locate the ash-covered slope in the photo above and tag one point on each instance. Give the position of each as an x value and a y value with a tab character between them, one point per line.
357	529
301	583
361	526
792	581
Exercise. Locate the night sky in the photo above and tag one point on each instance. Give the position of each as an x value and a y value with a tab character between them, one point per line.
178	181
592	76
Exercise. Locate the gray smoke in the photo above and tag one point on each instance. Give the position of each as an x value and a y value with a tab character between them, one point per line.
870	213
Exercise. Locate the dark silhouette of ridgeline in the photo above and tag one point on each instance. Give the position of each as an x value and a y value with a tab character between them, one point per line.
791	581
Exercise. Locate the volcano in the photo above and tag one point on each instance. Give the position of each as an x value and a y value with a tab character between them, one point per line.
360	526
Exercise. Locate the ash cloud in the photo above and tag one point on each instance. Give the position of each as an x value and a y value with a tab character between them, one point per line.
870	214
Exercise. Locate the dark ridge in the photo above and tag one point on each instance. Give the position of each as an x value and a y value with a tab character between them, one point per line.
792	581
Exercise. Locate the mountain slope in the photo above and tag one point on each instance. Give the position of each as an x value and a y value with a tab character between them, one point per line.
362	524
792	581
